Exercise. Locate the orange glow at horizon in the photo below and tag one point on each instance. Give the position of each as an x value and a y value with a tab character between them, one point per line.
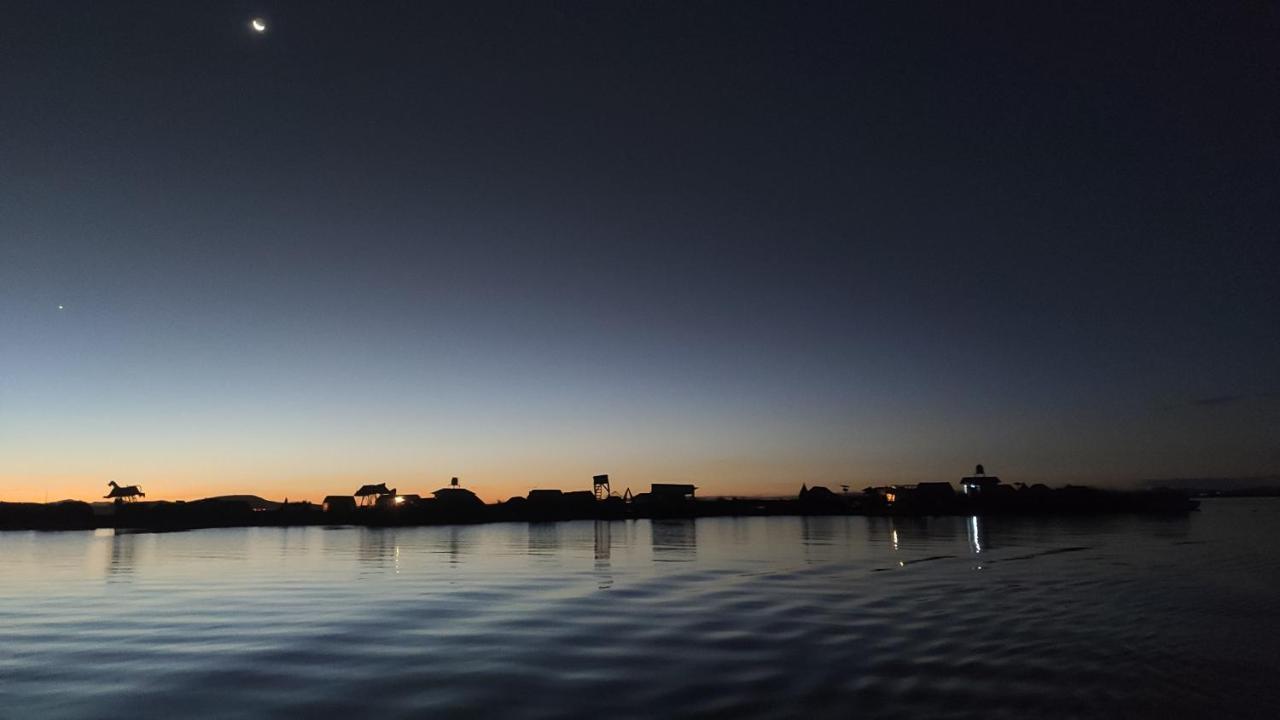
491	482
190	476
490	494
174	488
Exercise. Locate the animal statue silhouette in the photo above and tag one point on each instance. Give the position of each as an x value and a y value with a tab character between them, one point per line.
122	493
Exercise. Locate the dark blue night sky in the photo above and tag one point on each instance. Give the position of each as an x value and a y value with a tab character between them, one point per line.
739	244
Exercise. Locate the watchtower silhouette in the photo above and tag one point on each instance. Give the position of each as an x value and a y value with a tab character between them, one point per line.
600	483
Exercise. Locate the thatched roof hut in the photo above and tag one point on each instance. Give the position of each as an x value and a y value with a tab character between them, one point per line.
369	494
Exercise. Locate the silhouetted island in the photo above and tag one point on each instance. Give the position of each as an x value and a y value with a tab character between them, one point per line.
378	505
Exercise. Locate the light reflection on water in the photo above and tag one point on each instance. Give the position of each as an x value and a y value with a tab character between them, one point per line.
759	617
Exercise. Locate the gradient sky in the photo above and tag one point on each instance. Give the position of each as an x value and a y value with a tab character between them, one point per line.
737	244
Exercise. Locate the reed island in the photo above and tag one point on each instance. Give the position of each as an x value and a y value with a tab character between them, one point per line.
126	507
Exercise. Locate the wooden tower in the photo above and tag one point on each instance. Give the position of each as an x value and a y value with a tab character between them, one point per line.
601	485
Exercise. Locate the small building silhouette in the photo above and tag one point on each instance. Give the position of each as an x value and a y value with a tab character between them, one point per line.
934	491
579	501
979	483
668	492
397	501
819	499
817	493
881	494
369	494
339	504
545	503
457	497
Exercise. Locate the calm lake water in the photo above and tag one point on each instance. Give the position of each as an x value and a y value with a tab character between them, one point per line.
751	617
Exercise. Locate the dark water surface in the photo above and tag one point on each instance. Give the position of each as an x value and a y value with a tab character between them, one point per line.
753	617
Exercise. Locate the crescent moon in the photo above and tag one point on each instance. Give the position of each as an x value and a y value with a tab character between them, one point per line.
258	24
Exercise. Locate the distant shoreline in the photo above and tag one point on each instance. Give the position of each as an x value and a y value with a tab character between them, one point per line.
164	516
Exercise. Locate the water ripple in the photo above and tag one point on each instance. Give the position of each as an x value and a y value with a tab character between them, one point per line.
753	617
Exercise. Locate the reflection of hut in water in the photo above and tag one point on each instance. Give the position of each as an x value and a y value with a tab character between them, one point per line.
120	562
544	538
378	546
604	539
916	530
454	544
604	549
674	540
817	530
884	529
977	536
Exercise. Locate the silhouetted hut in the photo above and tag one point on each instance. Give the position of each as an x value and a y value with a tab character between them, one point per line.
544	504
979	483
668	492
369	494
817	493
544	497
881	494
819	499
339	504
934	492
580	503
457	497
398	501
